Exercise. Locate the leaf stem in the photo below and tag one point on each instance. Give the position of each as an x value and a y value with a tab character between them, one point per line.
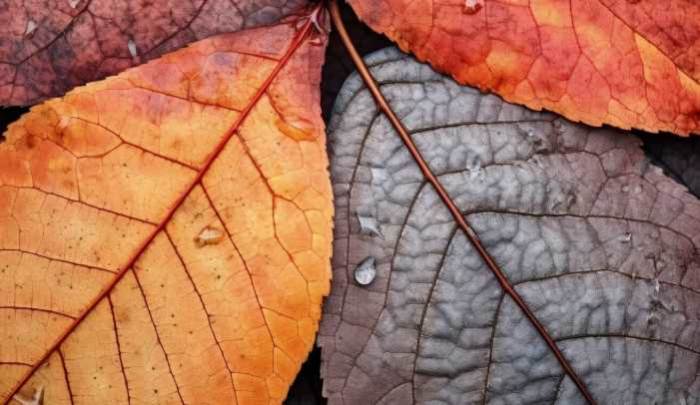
383	105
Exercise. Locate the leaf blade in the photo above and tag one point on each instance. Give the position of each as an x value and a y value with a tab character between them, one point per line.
462	224
581	59
49	50
249	254
546	198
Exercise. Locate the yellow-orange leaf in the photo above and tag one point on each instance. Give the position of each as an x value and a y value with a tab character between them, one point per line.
165	233
632	64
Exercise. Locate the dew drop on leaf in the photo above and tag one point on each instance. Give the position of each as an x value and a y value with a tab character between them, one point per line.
37	399
473	166
297	129
132	49
316	41
365	272
31	27
472	6
626	238
369	226
209	236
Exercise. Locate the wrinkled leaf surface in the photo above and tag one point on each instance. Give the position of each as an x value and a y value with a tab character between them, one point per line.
601	245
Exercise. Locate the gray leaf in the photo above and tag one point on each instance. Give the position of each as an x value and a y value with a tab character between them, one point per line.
601	245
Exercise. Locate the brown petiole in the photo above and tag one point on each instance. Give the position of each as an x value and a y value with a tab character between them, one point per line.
383	105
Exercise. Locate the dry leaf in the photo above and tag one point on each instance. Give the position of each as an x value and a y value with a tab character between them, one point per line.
165	233
600	244
623	63
49	47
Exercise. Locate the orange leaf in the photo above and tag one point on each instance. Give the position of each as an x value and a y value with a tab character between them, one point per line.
631	64
165	234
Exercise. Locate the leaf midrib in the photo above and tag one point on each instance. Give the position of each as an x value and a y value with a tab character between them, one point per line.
297	41
383	106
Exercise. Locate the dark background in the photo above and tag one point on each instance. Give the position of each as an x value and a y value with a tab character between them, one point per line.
679	157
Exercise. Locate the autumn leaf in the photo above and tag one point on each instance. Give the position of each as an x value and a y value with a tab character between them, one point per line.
600	245
631	64
165	234
49	47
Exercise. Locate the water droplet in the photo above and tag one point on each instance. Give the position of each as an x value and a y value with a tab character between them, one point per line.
298	129
132	49
63	123
31	27
637	189
563	201
369	226
625	189
37	399
317	41
365	272
209	236
652	319
657	286
473	166
626	238
73	3
472	6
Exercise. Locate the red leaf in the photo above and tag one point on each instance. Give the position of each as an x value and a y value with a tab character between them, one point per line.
630	64
49	47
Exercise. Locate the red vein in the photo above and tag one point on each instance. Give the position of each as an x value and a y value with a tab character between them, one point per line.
43	310
119	347
243	260
383	105
15	363
83	203
206	312
57	260
65	376
296	43
155	329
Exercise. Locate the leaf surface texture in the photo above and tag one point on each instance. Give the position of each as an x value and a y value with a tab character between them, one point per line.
631	64
165	233
50	46
600	244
